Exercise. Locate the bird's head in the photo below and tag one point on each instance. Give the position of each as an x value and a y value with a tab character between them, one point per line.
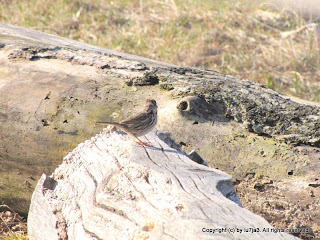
151	105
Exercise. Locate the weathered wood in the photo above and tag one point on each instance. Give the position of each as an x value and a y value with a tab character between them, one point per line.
111	188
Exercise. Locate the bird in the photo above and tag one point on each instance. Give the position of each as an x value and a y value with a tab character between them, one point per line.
139	124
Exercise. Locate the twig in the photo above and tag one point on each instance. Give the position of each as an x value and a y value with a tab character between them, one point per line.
289	33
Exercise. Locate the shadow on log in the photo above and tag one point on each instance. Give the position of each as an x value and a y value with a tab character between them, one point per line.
109	188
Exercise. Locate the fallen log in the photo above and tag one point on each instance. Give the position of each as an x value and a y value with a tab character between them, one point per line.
111	188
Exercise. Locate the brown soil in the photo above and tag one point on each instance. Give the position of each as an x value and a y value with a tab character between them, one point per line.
285	204
12	225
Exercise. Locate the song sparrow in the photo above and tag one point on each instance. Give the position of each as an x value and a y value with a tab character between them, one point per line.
140	124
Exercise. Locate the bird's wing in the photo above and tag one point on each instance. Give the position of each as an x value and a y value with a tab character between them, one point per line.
133	120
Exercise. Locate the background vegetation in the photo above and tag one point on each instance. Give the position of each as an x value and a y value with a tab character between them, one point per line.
256	40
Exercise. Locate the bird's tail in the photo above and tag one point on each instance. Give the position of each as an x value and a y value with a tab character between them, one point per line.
109	123
117	125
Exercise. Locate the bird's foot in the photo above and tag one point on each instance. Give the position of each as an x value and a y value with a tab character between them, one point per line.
147	144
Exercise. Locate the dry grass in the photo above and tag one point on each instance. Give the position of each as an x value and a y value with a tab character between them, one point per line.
250	39
12	226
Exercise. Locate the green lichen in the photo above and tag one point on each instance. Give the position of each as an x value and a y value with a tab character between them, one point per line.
148	78
166	86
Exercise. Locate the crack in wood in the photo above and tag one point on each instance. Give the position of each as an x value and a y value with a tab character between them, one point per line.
91	234
169	235
172	174
205	195
203	212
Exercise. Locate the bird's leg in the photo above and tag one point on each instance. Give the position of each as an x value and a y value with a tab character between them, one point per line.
139	142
